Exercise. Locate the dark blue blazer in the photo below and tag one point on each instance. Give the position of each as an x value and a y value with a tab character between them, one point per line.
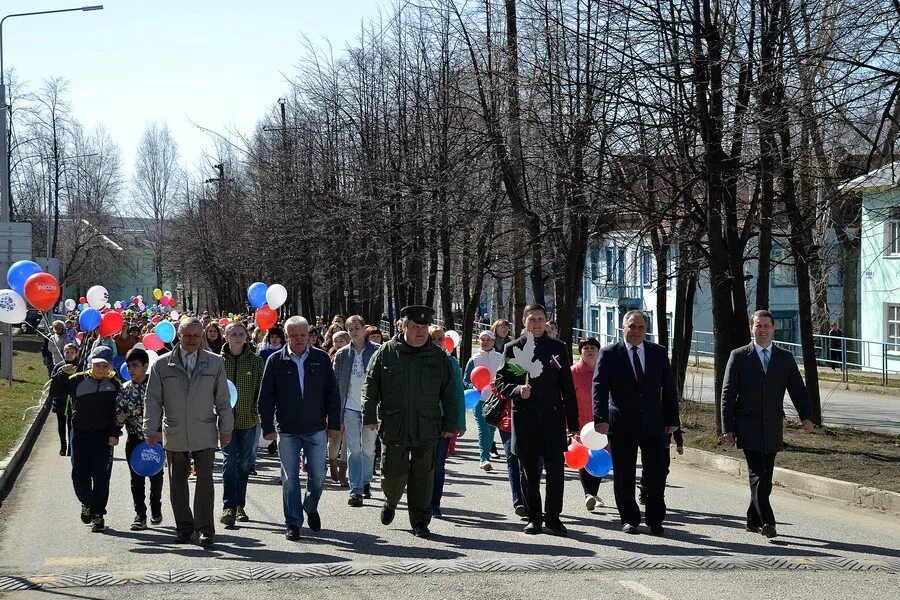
318	408
632	410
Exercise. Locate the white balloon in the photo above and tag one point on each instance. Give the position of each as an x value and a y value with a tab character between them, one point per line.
97	297
154	356
168	294
13	309
453	336
592	439
276	295
140	346
70	304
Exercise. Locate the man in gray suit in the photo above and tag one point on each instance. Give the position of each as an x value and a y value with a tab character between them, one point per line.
756	378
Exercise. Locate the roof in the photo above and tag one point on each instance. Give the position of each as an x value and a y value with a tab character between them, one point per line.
883	178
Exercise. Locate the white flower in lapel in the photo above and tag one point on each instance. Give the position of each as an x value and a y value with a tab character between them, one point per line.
524	357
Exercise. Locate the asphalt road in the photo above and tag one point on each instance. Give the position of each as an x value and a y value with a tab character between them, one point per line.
41	534
840	407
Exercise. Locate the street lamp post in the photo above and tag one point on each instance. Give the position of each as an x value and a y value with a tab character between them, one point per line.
4	134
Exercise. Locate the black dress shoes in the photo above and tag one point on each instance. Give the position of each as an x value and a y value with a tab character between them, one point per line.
292	533
420	530
205	540
769	531
313	520
753	528
657	530
183	537
387	514
630	529
533	528
555	527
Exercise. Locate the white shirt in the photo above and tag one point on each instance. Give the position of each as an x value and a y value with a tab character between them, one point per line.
640	352
759	353
357	376
300	361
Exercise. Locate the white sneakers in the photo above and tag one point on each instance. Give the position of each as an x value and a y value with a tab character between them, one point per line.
592	502
486	466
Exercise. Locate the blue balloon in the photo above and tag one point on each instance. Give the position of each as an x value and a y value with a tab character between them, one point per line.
165	331
19	272
232	391
473	397
89	320
147	460
123	369
256	294
599	463
119	361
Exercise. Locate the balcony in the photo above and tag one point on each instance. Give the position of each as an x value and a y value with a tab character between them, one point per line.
619	292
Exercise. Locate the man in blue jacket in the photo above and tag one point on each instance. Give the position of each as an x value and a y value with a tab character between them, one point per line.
300	391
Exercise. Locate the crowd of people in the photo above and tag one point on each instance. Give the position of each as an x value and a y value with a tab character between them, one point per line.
330	400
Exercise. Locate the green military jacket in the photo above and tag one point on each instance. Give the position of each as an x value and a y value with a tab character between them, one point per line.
411	391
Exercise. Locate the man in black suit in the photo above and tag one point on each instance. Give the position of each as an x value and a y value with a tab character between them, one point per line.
537	376
636	404
756	378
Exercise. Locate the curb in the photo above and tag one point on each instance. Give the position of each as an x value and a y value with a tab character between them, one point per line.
804	483
10	466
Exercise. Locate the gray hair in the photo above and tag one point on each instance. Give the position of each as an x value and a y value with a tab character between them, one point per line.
186	322
296	321
632	314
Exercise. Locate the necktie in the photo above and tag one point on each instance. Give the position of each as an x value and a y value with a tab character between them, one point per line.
638	370
190	364
765	359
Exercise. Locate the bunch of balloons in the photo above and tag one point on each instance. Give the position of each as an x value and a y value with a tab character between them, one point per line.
590	453
27	281
266	299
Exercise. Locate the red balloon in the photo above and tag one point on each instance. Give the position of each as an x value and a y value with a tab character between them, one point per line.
577	455
224	321
164	301
480	377
448	344
152	342
155	320
79	336
42	290
266	317
111	323
82	300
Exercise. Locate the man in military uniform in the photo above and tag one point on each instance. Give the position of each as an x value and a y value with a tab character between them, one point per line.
410	388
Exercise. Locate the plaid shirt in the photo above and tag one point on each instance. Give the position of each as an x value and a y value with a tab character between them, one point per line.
130	403
245	372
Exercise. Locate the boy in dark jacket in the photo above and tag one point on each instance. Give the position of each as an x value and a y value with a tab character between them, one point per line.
94	432
130	412
60	400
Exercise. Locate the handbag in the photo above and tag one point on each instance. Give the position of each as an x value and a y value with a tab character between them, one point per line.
494	408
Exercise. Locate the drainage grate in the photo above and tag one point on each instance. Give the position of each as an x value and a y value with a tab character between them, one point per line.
351	569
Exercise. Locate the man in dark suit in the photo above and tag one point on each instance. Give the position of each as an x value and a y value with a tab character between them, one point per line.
536	375
756	378
636	404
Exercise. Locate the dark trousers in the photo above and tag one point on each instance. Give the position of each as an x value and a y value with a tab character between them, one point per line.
92	459
440	470
201	519
589	483
667	462
513	473
410	469
531	486
138	487
63	428
761	467
624	458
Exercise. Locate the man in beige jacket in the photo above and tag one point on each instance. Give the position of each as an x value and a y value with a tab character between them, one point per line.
187	394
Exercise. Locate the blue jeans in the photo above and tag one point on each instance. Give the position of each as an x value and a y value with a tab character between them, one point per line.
240	454
314	447
485	433
440	462
512	469
360	451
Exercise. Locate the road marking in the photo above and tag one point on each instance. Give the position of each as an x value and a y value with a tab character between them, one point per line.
74	561
643	590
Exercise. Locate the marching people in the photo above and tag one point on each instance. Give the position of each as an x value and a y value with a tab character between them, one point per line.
337	447
635	403
130	412
94	432
501	330
187	395
537	377
492	360
410	388
583	376
244	369
60	400
213	340
299	392
350	363
444	444
756	378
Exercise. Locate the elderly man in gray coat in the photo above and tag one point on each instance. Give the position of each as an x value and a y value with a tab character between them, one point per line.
187	394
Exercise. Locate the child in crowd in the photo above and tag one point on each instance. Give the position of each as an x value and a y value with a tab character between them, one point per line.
59	400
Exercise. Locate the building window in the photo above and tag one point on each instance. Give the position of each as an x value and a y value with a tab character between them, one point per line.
892	327
892	232
784	273
620	264
785	326
595	262
646	266
610	264
649	315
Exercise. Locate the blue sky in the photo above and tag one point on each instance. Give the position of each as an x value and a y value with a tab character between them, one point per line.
221	64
